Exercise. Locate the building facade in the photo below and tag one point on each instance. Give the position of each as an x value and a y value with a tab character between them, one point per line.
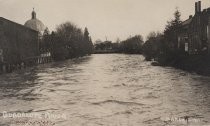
194	35
18	44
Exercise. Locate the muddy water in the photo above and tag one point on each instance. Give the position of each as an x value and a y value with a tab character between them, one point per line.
104	90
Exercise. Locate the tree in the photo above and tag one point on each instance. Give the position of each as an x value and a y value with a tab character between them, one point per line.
59	52
71	38
152	47
45	44
152	35
46	32
177	15
132	44
171	30
168	44
86	34
118	40
69	41
88	42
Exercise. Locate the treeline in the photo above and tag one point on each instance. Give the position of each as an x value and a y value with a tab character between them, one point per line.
161	47
132	45
67	41
158	46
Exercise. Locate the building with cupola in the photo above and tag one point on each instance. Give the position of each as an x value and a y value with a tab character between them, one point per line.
35	24
20	44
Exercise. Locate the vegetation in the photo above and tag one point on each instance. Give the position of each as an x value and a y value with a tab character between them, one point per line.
163	46
68	41
132	45
45	44
159	46
152	46
107	45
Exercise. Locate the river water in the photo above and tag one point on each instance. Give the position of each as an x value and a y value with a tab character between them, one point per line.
104	90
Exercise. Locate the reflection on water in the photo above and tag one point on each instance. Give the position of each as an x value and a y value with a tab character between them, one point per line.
109	90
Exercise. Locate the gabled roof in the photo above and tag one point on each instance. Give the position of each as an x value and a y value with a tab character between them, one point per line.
1	18
187	22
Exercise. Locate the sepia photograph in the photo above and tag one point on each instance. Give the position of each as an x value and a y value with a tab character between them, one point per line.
104	62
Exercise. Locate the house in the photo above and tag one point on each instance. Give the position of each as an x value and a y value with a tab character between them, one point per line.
194	35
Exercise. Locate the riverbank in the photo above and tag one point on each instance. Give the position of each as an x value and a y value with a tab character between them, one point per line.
114	52
193	63
8	68
105	51
32	61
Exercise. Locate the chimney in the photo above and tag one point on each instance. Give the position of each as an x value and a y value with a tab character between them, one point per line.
199	6
196	7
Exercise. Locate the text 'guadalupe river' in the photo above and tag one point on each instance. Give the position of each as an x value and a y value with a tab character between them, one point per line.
104	90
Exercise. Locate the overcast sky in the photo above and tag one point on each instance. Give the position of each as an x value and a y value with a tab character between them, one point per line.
111	18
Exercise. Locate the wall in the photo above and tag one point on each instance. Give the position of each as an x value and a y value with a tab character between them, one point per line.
208	32
17	42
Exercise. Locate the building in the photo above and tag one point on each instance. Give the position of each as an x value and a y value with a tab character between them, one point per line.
194	35
35	24
18	44
183	34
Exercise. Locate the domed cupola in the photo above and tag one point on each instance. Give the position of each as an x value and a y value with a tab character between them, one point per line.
35	23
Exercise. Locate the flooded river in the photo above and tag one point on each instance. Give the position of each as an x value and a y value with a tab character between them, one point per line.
104	90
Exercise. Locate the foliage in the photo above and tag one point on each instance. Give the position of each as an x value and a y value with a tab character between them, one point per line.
163	47
171	30
69	41
107	45
88	42
45	44
152	47
132	45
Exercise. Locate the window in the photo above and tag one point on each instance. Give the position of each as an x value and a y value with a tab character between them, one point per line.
179	40
186	47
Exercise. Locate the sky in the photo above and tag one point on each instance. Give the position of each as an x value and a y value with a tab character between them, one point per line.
109	19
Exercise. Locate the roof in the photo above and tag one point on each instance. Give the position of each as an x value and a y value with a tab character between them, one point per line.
1	18
35	24
187	22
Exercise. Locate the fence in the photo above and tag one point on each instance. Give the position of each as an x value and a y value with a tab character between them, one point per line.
10	67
